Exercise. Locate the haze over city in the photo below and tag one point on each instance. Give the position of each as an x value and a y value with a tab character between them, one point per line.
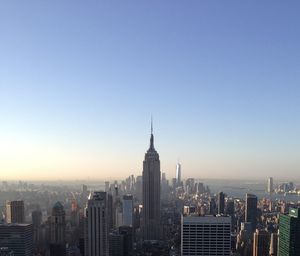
79	82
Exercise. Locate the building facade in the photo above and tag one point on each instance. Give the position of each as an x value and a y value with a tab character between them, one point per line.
18	238
97	225
205	235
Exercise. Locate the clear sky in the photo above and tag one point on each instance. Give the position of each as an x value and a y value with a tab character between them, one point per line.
79	81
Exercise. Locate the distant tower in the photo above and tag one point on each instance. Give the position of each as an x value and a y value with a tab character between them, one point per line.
221	203
57	230
151	193
178	174
97	225
270	185
251	210
15	212
127	210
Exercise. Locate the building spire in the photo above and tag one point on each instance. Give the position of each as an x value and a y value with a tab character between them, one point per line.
151	125
152	137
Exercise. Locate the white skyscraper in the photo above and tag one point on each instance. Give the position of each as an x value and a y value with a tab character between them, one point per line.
178	173
127	210
97	224
205	235
270	185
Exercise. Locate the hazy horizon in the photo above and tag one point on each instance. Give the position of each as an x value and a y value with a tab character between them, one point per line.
79	82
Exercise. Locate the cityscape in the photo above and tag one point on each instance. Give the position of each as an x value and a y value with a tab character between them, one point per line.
148	215
149	128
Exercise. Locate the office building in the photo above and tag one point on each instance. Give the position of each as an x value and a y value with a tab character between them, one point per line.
261	243
97	225
36	223
57	224
221	203
18	238
251	210
15	212
205	235
289	233
127	210
151	193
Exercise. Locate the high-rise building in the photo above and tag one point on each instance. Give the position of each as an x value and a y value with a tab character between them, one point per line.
36	223
178	174
270	185
127	210
273	244
18	238
97	225
221	203
261	243
251	210
151	193
205	235
15	212
57	230
289	233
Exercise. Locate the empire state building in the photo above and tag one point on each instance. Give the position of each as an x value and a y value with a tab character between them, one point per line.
151	193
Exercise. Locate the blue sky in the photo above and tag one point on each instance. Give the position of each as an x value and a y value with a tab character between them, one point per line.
79	81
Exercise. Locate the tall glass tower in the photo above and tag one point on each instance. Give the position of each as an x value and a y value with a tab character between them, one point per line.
151	193
178	174
289	233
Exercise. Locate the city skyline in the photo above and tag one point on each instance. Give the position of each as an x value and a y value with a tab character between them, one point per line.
77	91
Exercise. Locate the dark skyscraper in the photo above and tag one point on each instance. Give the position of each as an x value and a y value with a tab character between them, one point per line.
151	193
251	210
221	203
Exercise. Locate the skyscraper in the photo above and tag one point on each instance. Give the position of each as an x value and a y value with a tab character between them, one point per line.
178	174
251	210
57	230
97	225
151	193
289	233
127	210
221	203
270	185
205	235
15	211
